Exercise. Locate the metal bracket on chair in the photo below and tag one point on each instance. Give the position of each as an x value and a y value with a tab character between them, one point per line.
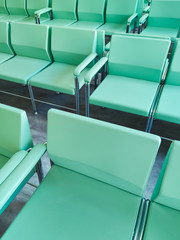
77	95
87	94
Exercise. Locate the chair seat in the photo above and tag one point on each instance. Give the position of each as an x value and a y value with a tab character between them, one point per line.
168	108
4	57
86	25
59	22
162	223
113	28
13	18
3	160
68	205
32	20
58	77
161	31
125	94
20	69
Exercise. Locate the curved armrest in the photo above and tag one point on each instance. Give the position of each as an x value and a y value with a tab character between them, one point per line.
12	163
42	11
131	18
146	9
143	18
94	70
84	64
36	153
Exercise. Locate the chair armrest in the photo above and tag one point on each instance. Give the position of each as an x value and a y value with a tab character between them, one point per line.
146	9
143	18
107	47
94	70
42	11
36	153
84	64
131	18
12	163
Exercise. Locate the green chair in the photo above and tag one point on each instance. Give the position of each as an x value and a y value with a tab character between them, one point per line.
164	211
6	51
90	14
61	14
3	9
119	16
163	20
16	162
88	194
168	107
134	75
31	56
73	51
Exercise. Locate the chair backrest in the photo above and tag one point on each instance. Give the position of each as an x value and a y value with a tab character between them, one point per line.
64	9
140	7
15	133
121	156
31	40
72	46
173	76
118	11
165	13
137	57
5	45
34	5
16	7
3	9
91	10
167	191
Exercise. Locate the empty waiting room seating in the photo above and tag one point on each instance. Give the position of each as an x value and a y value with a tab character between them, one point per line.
62	13
88	194
163	20
134	75
16	164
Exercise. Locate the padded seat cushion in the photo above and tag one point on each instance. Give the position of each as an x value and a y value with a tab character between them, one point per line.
32	20
4	57
113	28
125	94
161	31
86	25
20	69
162	223
58	77
168	108
13	18
59	22
68	205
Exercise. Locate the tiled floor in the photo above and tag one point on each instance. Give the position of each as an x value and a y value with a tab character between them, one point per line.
38	129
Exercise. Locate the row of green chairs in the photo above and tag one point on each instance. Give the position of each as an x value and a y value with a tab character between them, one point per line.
136	81
56	60
115	15
163	20
98	194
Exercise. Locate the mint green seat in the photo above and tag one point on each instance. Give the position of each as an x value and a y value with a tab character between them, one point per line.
90	14
164	212
6	51
163	20
88	194
3	9
117	14
31	56
15	165
61	14
73	50
168	109
134	75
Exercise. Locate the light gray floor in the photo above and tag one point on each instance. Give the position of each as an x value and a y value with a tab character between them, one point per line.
38	128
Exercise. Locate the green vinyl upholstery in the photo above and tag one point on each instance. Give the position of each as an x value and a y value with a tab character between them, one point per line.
164	213
31	56
133	74
164	19
15	139
3	9
88	195
6	51
90	14
69	48
117	14
168	107
64	13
